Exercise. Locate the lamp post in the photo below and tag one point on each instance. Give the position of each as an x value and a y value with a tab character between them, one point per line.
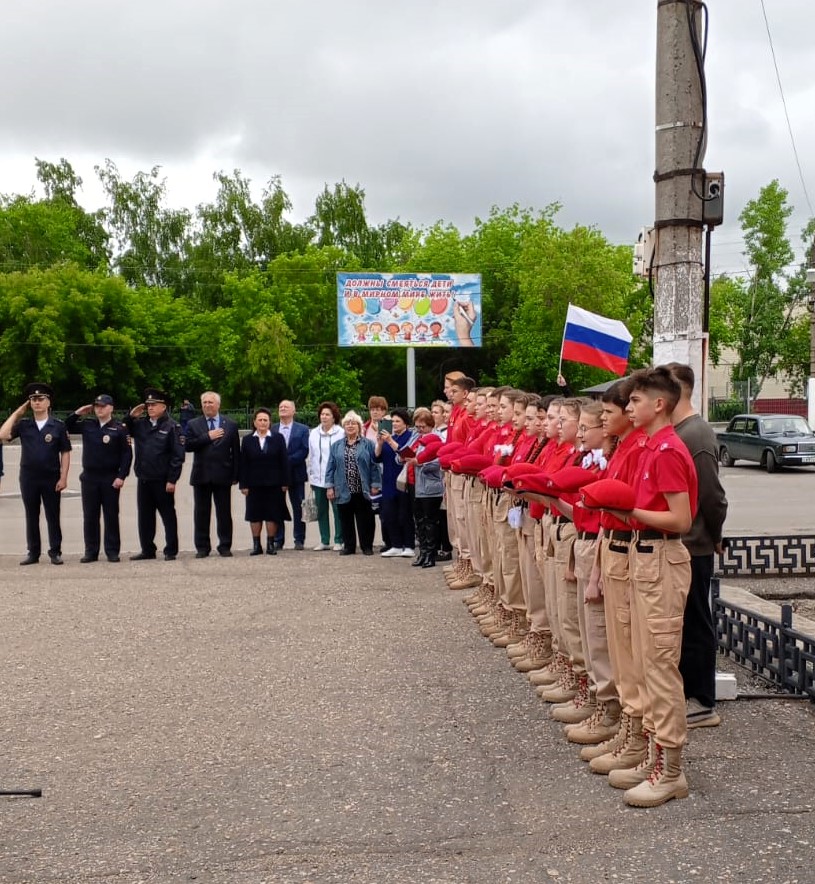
811	381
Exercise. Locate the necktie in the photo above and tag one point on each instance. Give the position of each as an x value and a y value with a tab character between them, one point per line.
212	423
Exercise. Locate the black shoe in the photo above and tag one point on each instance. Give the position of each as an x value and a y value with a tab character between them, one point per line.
347	552
30	560
257	549
202	554
429	562
225	553
444	555
56	559
367	552
419	561
114	559
169	557
142	557
86	559
298	545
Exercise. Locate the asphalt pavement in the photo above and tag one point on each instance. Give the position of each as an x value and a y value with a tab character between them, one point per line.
311	718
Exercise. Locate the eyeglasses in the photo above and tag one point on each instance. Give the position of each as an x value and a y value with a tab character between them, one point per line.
582	428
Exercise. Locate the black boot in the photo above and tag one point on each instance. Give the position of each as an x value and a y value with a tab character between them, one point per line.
419	561
257	549
271	547
429	559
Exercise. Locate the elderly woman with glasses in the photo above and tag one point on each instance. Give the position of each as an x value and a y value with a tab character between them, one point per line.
352	479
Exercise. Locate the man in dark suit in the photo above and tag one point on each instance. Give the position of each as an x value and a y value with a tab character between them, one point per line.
296	436
215	444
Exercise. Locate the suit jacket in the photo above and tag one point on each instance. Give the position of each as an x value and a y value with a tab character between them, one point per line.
214	463
263	468
297	450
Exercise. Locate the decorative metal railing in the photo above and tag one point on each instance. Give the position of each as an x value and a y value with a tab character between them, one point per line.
768	555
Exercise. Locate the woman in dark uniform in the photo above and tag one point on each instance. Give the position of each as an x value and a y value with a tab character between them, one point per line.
263	476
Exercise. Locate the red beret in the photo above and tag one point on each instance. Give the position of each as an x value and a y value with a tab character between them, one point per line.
571	479
447	453
428	453
493	476
450	447
428	439
471	464
521	469
537	483
608	494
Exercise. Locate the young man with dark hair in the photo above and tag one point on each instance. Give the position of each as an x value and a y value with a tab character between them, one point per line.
698	661
665	488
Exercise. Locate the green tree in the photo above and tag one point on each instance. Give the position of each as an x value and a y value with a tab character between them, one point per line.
755	314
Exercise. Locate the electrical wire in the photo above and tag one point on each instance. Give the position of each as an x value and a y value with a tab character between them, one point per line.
699	55
786	112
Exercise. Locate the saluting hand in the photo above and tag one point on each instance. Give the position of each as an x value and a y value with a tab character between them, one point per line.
138	411
85	409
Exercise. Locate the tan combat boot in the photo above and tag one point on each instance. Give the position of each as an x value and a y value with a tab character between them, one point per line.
563	690
474	599
521	648
455	571
603	725
628	777
515	633
498	622
628	755
550	674
468	579
539	656
580	707
588	752
665	782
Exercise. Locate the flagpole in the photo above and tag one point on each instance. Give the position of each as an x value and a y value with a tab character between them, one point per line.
562	342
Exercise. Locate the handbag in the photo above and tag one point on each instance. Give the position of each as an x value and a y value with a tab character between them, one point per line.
309	510
402	479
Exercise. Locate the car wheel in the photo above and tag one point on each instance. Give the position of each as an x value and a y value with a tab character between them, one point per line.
770	462
724	457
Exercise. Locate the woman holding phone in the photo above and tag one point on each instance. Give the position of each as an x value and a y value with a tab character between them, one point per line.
395	509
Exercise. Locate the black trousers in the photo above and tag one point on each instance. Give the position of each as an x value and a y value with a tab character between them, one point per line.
203	497
100	499
426	516
151	498
358	509
397	520
36	490
697	664
297	493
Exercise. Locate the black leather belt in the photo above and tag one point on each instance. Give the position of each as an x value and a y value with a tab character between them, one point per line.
559	520
656	535
587	535
624	536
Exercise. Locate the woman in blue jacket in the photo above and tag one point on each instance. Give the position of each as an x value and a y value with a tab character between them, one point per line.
352	477
395	509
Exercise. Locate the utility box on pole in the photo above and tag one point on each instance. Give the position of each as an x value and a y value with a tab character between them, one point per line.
680	182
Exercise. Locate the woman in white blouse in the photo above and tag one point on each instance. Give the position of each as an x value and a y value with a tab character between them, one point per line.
320	440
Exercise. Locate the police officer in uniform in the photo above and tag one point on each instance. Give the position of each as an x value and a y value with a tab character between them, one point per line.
106	459
44	464
159	458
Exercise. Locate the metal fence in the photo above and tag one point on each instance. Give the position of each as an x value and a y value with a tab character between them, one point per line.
769	648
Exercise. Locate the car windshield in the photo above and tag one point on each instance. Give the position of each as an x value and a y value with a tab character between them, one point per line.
785	426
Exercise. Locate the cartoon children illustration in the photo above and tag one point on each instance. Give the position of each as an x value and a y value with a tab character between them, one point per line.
407	331
393	330
361	329
435	331
376	332
421	332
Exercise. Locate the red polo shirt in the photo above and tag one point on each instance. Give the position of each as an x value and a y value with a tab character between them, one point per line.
623	466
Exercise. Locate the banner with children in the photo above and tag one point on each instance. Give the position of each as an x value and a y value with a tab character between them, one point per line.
409	309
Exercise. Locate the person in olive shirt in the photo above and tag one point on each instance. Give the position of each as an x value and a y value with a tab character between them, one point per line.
44	464
106	459
159	458
697	664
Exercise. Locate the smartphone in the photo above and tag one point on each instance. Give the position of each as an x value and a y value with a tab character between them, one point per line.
386	424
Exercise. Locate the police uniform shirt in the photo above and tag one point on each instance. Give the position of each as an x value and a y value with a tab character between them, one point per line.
41	448
106	451
159	449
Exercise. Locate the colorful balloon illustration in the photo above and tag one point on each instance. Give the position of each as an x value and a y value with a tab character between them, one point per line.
405	303
438	306
389	303
356	305
422	306
373	305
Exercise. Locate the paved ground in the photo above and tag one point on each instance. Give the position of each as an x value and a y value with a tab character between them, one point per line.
311	718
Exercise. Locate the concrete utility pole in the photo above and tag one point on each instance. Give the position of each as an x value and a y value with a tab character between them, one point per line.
811	381
678	304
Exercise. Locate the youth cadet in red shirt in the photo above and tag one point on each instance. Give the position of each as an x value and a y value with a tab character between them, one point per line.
665	486
458	429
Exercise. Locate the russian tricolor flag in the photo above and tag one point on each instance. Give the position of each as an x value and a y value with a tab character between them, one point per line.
595	340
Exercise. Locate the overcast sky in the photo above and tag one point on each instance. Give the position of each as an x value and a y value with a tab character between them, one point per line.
438	109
